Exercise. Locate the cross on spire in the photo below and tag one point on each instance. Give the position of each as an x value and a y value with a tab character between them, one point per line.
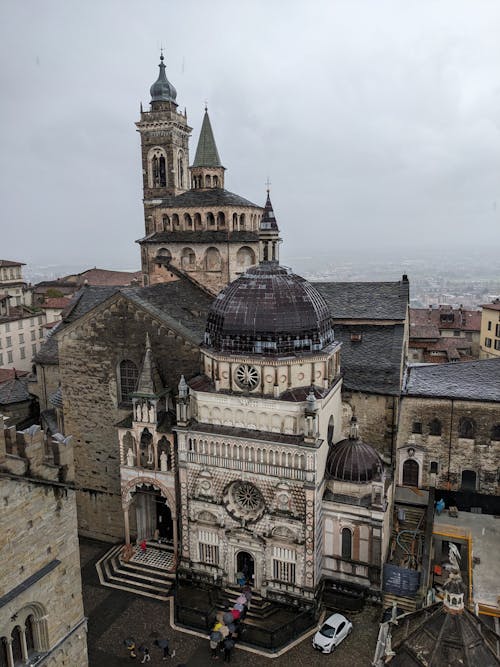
268	185
206	105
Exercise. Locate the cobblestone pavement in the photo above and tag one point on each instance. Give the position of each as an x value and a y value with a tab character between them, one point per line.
114	615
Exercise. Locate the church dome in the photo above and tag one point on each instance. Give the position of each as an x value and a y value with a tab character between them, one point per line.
162	90
270	311
352	460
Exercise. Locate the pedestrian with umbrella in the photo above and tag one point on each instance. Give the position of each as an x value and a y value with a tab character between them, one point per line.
228	647
215	639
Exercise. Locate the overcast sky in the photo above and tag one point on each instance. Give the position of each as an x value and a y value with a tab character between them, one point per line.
378	123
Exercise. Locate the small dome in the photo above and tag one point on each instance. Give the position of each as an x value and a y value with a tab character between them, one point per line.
162	90
271	311
352	460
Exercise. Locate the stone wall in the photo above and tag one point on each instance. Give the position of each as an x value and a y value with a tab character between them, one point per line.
377	418
450	453
90	354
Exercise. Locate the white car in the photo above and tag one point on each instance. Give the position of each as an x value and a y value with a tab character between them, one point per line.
331	633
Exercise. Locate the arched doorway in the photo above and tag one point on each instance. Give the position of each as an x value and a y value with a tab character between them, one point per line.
153	515
410	473
245	563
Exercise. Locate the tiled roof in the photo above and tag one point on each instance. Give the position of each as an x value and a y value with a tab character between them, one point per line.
423	331
360	301
106	278
492	306
210	197
374	363
10	373
201	237
469	380
7	262
14	391
445	317
56	302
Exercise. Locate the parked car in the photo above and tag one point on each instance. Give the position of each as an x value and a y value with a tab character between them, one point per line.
334	630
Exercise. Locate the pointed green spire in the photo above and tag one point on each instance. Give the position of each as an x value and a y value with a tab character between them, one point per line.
206	153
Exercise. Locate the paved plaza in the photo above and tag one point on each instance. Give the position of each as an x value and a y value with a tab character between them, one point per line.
114	615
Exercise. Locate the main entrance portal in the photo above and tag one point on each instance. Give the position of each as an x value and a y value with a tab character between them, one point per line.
245	564
153	515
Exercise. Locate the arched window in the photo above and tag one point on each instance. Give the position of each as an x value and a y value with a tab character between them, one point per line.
129	375
346	543
466	428
410	473
3	652
245	257
468	480
197	221
435	427
188	223
159	171
216	182
166	223
175	220
331	428
180	169
495	432
221	220
188	259
146	448
210	220
28	633
213	260
208	181
242	221
235	221
17	652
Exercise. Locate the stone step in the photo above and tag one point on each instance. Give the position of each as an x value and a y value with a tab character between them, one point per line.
134	578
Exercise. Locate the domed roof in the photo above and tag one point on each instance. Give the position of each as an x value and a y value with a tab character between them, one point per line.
352	460
271	311
162	90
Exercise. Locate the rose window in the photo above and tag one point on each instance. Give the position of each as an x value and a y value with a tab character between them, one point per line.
244	501
247	377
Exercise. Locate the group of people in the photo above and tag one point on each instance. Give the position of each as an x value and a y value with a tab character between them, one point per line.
143	651
227	629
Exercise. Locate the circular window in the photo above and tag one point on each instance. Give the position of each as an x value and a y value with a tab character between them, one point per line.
244	501
247	377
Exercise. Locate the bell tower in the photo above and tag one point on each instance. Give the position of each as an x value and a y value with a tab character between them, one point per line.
164	143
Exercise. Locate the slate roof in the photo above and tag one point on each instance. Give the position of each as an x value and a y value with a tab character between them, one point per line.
207	154
209	197
203	237
374	363
14	391
366	300
468	380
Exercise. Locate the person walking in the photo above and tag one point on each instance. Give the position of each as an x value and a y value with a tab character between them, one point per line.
164	645
146	657
130	644
215	639
228	647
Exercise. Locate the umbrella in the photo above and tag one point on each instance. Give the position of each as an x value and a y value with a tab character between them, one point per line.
239	607
241	599
236	614
227	618
231	627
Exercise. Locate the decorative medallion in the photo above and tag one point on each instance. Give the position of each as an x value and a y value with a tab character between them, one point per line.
247	376
244	501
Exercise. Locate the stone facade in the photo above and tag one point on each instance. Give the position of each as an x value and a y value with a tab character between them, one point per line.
41	608
430	435
90	352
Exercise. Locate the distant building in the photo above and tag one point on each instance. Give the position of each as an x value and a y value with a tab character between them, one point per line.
12	283
17	403
441	334
490	330
41	608
68	286
21	334
53	308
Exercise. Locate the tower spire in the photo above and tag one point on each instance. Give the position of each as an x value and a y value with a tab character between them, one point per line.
269	233
207	170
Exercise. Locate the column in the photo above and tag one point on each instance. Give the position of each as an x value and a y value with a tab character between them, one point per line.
174	526
10	656
24	645
127	525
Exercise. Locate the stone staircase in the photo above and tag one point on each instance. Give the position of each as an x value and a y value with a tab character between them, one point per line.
259	607
150	574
